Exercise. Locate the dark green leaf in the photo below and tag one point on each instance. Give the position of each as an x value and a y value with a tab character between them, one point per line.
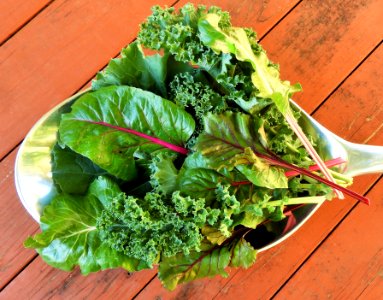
73	172
134	69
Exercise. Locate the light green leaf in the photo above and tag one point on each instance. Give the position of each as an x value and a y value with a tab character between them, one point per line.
243	254
234	40
269	176
213	235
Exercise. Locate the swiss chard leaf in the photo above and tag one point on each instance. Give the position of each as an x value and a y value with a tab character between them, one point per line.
73	172
229	141
242	254
134	69
70	237
207	263
113	125
201	183
225	136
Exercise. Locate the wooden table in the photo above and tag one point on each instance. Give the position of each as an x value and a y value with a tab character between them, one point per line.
51	49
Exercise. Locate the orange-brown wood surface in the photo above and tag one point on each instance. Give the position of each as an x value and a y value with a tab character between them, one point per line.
14	14
334	48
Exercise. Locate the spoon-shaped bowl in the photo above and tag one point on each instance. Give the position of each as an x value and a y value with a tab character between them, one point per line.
35	187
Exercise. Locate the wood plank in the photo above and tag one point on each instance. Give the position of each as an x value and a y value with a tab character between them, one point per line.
374	289
15	13
48	283
275	266
266	20
321	42
15	225
60	50
349	260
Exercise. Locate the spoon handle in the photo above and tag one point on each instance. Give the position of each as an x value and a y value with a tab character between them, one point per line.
364	159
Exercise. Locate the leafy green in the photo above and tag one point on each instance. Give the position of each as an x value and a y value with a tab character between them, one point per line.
134	69
70	236
146	228
164	176
235	40
109	120
71	172
193	143
206	263
229	141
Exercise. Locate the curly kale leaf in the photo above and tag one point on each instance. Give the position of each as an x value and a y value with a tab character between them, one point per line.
193	93
177	33
153	226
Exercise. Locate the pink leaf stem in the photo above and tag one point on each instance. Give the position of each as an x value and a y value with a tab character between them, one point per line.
154	140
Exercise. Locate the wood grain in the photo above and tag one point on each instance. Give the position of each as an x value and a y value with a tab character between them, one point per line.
48	283
15	13
15	225
275	266
321	42
349	260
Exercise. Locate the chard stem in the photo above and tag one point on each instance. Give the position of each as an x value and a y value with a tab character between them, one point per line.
310	149
297	200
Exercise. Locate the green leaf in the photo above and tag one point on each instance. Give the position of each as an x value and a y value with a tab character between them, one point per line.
269	176
234	40
164	177
114	124
184	268
73	172
243	254
212	261
200	183
70	237
213	235
225	136
134	69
